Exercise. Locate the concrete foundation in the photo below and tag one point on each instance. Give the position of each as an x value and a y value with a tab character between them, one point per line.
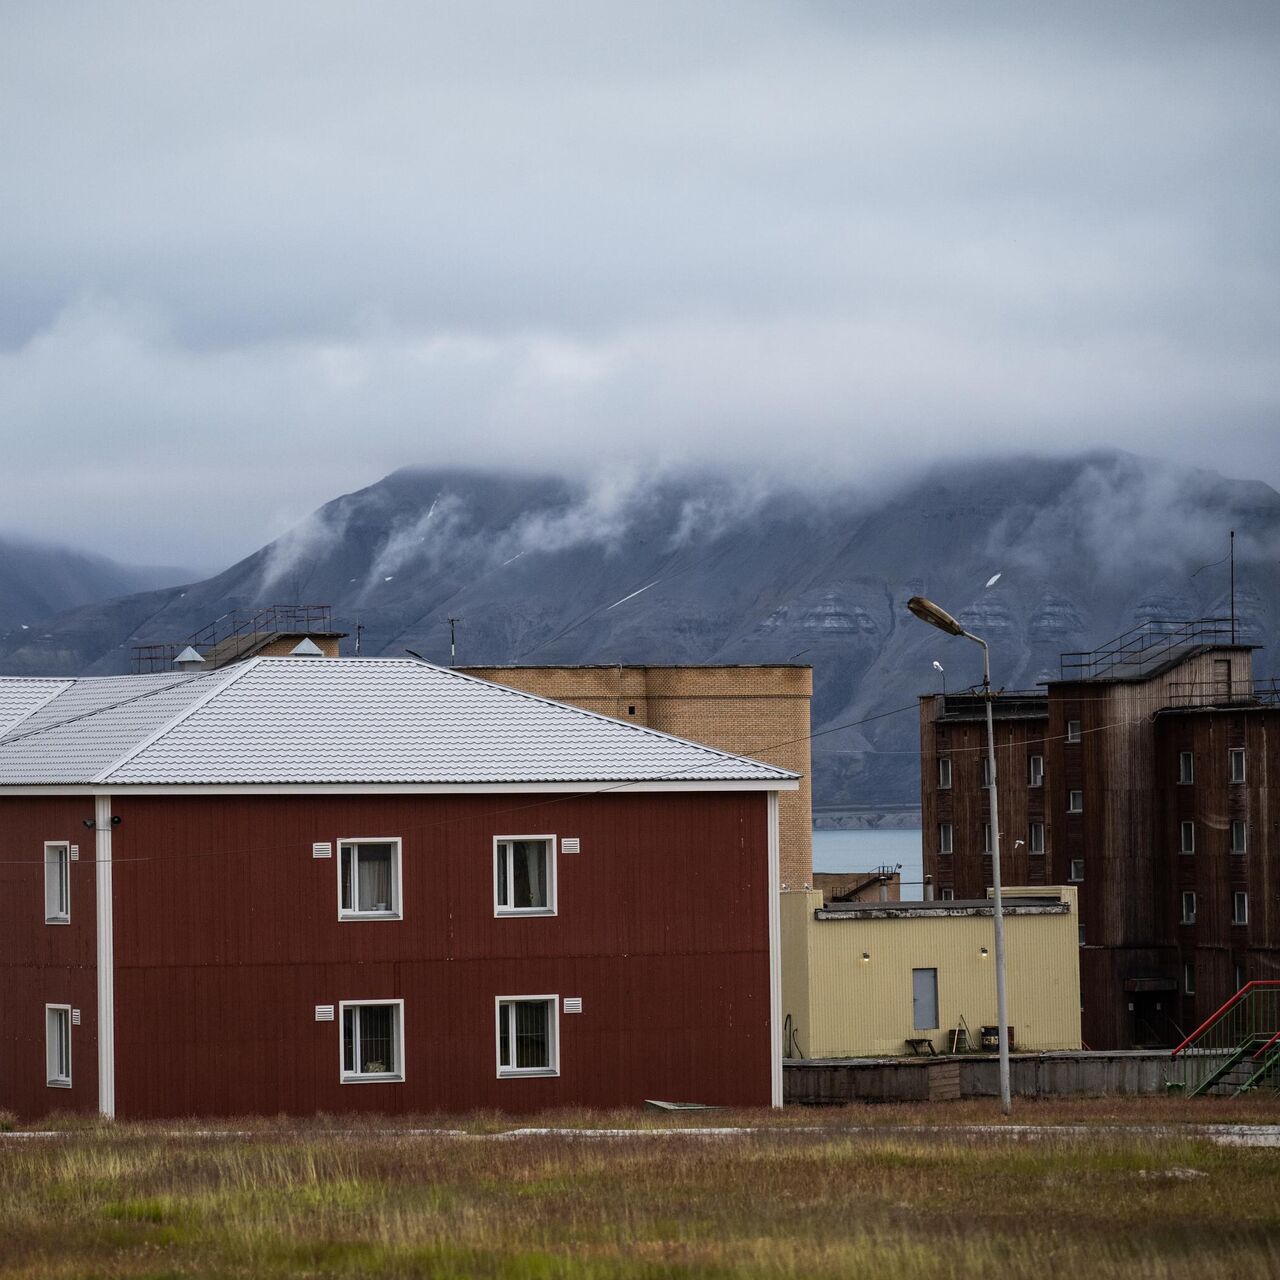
831	1081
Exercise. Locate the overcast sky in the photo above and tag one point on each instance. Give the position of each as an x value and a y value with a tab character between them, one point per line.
256	255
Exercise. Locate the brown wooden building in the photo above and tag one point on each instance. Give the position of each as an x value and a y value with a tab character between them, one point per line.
304	884
1142	776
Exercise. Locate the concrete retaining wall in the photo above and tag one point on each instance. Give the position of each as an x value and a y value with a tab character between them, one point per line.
833	1081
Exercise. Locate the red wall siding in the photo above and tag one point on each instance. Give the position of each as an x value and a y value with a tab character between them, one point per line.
227	937
45	963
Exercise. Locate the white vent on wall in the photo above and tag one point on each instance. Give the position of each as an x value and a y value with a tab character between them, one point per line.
324	1013
75	853
322	849
573	1004
570	844
75	1017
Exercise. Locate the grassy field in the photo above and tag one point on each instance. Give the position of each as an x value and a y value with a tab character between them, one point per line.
1135	1189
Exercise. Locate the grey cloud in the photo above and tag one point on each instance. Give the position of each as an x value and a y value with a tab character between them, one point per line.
263	254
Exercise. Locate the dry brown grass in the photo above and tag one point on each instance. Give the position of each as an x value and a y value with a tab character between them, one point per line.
854	1192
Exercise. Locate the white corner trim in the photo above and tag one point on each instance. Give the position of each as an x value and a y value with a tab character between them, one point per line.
775	955
106	959
236	670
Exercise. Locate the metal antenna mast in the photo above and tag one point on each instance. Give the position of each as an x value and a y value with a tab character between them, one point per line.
1233	586
453	639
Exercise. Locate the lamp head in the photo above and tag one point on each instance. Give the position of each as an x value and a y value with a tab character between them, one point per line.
935	616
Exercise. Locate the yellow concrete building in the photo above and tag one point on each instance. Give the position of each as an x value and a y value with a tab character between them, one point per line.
864	979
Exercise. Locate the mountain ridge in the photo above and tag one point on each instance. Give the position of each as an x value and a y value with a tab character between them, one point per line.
712	567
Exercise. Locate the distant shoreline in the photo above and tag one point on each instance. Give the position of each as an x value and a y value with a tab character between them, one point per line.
866	819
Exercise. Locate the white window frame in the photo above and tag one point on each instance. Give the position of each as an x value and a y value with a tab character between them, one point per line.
986	838
397	883
553	1031
1075	801
553	903
984	771
52	1051
944	773
946	894
946	839
1073	731
1240	906
1241	826
1188	906
1235	756
1035	771
1186	836
395	1076
1035	837
1076	871
57	862
1186	768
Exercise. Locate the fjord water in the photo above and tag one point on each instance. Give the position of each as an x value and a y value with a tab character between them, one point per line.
867	850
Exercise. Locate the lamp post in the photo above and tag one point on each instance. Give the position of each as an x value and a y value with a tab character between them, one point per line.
929	612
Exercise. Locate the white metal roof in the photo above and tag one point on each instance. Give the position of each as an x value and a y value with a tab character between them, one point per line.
336	721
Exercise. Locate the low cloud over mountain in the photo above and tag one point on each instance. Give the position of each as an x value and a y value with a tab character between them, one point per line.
700	567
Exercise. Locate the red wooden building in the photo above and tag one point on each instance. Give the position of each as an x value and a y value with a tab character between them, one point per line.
305	884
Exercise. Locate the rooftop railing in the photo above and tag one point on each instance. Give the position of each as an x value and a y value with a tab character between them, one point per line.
234	632
1143	648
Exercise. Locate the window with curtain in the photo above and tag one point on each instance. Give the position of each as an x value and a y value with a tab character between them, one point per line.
527	1036
369	878
524	875
372	1048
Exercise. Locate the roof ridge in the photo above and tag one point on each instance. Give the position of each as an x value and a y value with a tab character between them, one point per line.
237	669
63	683
610	720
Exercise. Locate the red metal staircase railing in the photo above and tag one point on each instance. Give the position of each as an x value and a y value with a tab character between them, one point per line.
1237	1047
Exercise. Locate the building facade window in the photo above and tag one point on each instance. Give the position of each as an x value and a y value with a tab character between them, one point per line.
944	773
369	879
1239	907
57	883
1186	768
1239	835
984	767
986	837
1240	976
1035	837
1235	764
372	1041
528	1035
1075	801
1035	771
945	838
947	894
524	875
1188	907
1189	978
1186	837
57	1037
1080	935
1073	730
1077	871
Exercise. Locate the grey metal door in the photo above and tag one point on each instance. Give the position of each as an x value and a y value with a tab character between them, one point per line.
924	999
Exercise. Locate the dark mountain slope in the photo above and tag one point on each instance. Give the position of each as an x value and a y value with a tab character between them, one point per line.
699	568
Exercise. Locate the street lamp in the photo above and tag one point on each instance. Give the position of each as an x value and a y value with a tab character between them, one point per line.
929	612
